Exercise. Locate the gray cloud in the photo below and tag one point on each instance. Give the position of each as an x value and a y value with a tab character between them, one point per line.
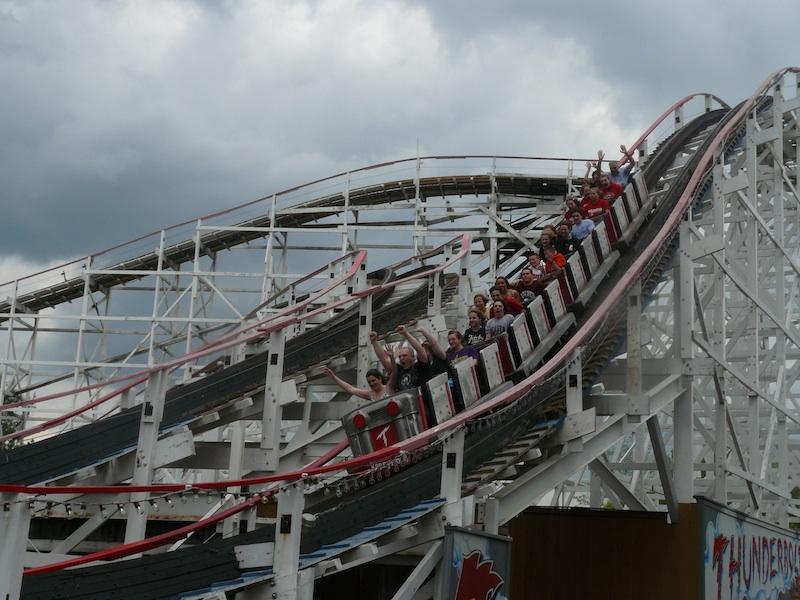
652	53
118	118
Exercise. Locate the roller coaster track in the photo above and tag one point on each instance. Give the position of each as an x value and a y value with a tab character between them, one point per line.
384	193
404	486
383	500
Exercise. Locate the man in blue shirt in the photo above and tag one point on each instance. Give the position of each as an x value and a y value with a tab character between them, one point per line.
580	227
617	174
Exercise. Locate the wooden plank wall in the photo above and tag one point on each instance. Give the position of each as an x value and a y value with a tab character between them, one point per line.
565	554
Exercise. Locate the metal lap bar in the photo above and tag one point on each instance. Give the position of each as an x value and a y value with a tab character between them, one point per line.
631	203
538	317
612	226
441	398
596	245
504	352
455	386
639	188
548	311
625	208
563	285
521	342
619	217
639	219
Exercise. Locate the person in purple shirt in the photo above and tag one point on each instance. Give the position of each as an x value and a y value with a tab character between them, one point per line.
457	349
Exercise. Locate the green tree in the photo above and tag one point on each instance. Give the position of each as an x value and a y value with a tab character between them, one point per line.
9	423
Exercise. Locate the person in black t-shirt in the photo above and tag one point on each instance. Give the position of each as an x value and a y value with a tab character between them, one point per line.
526	286
413	372
565	243
476	332
437	357
411	362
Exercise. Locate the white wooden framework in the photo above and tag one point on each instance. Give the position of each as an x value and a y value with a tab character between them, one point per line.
701	399
167	293
720	335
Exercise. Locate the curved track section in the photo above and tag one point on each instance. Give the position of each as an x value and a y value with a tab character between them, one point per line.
384	193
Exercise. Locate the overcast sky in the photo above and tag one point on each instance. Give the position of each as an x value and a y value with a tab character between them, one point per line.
120	117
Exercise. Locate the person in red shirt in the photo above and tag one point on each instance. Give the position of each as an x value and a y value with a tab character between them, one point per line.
594	205
553	264
511	305
509	293
609	191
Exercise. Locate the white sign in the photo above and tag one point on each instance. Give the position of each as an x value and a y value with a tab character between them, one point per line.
744	559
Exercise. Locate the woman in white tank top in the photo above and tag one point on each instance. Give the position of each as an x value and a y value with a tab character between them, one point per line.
377	382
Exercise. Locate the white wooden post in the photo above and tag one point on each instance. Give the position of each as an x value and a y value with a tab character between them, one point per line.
291	501
271	419
149	423
452	474
14	521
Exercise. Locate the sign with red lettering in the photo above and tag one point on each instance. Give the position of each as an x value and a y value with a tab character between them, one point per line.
744	558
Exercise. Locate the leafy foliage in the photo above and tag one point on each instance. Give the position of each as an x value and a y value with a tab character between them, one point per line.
9	423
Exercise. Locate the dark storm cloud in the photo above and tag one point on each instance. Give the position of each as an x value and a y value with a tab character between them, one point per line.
122	117
653	53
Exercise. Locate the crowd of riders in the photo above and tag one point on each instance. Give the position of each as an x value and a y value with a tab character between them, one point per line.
418	355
